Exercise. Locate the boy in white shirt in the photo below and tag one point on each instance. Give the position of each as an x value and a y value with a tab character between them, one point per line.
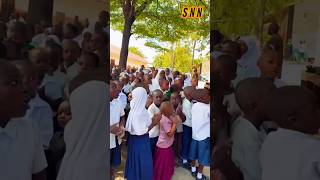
187	125
292	152
200	143
116	127
122	98
153	109
245	130
22	155
71	53
39	112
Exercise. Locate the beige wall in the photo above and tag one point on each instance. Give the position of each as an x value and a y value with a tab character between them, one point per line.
82	8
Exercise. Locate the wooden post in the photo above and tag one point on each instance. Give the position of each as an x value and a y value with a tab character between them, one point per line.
40	10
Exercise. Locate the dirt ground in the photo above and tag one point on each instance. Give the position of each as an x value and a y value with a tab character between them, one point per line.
179	174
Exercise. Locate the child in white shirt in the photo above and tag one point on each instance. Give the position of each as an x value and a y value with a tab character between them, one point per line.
292	152
39	112
116	127
71	53
153	109
200	144
22	155
245	130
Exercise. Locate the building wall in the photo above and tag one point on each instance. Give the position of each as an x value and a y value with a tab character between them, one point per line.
82	8
306	27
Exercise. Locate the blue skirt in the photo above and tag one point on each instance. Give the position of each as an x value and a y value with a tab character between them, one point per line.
139	164
115	155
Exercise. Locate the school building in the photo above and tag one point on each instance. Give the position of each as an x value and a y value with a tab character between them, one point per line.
133	59
54	10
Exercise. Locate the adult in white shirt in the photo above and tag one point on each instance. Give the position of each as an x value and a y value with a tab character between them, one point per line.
153	109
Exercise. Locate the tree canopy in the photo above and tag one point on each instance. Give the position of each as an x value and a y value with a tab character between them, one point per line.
137	51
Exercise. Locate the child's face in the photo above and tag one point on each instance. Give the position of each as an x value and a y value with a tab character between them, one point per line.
269	66
174	99
157	98
30	80
86	64
226	75
55	58
70	54
164	85
13	97
96	42
194	82
41	61
147	79
162	75
114	92
64	116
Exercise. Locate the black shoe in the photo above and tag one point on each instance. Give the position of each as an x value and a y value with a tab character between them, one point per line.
186	166
194	174
203	178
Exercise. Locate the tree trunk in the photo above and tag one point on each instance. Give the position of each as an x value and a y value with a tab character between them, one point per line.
125	44
193	50
40	10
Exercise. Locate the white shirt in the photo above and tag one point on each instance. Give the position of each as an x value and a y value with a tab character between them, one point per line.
200	121
38	39
288	154
41	114
116	112
232	106
21	151
186	110
279	83
155	84
247	141
54	85
152	110
123	100
127	88
72	71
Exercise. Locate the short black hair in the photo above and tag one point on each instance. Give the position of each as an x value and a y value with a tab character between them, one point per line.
93	56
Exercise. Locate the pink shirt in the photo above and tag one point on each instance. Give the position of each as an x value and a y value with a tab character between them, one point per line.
165	126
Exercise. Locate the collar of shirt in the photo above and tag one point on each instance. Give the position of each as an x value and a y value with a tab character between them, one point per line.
37	102
10	129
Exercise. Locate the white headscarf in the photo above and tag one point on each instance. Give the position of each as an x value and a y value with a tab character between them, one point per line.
86	134
139	119
247	64
250	58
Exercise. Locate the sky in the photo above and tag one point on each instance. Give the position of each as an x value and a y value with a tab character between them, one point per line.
149	53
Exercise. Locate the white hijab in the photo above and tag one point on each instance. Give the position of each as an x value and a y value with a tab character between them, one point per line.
86	134
247	64
139	119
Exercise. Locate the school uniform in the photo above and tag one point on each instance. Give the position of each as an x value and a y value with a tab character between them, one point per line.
127	88
164	163
54	85
41	114
187	128
139	156
200	144
247	141
279	83
233	108
21	150
155	84
123	100
116	112
289	154
154	132
72	71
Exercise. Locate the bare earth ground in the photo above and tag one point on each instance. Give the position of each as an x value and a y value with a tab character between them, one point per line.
179	174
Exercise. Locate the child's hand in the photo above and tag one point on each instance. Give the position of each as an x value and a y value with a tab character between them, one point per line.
115	129
129	97
176	119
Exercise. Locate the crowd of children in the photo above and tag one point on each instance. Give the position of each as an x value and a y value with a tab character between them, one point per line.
45	73
164	118
262	128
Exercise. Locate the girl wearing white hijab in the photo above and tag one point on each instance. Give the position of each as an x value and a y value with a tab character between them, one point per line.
139	165
86	134
247	64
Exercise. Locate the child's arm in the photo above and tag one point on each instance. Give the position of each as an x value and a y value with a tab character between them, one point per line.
176	120
42	175
122	121
155	120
